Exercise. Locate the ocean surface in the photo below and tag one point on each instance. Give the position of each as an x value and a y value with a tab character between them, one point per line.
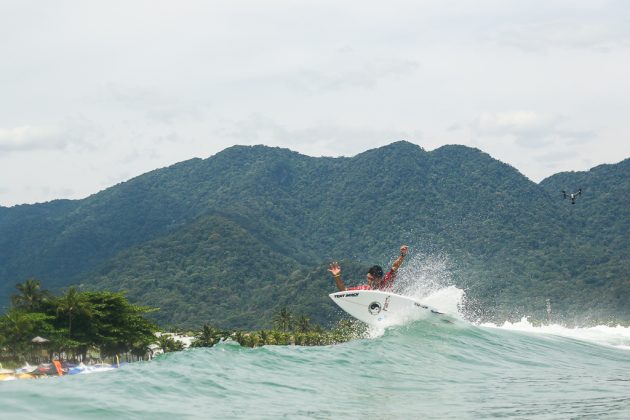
425	369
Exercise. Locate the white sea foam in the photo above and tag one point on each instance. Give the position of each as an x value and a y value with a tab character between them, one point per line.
617	336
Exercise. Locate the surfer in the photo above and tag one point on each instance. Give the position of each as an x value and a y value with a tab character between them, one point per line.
375	278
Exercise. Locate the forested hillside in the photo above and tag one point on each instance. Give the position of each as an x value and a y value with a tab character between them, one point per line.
232	238
600	223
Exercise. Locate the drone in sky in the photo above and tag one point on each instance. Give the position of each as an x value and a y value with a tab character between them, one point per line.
572	196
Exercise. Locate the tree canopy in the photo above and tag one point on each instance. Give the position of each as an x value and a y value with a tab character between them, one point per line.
76	322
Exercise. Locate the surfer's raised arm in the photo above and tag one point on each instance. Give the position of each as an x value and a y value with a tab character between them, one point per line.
335	270
403	252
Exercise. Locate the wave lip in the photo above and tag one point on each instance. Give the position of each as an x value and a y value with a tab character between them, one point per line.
617	336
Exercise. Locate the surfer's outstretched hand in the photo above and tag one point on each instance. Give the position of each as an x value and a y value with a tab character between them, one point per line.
335	268
403	253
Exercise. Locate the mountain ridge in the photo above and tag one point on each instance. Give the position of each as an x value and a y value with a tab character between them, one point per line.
503	230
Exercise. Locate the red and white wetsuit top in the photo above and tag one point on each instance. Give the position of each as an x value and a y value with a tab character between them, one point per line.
386	284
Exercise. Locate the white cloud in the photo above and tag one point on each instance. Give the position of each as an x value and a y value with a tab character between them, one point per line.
340	76
29	138
74	133
516	121
156	104
562	34
107	90
527	128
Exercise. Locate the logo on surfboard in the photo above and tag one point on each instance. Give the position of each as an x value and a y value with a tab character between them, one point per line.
374	308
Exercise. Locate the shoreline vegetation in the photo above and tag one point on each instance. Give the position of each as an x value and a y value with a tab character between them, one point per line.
86	331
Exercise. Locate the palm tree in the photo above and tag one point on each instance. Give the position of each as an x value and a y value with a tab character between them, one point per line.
141	348
168	344
238	336
31	295
207	337
72	304
283	320
267	337
303	324
279	338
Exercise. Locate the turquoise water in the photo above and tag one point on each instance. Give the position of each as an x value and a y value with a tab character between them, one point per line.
427	369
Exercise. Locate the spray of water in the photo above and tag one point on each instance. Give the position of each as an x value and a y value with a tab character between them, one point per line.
429	279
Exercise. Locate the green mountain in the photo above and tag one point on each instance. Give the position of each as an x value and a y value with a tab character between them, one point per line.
600	223
233	238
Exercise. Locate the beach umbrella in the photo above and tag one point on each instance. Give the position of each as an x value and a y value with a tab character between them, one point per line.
40	344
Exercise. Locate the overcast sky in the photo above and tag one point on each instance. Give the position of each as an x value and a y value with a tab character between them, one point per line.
93	93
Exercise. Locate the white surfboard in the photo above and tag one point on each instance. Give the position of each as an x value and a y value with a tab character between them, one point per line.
378	308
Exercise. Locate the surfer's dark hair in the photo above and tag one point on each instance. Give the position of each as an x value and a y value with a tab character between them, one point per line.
376	271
